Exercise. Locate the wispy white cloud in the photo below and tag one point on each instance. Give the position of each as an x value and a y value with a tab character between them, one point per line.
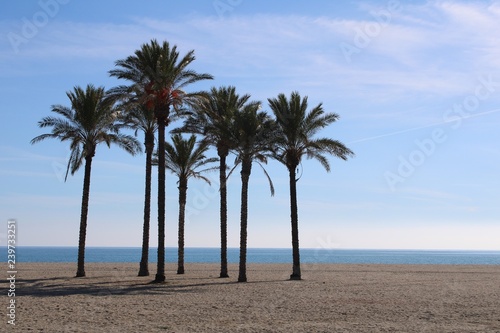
116	198
12	201
18	173
307	49
436	49
11	153
431	194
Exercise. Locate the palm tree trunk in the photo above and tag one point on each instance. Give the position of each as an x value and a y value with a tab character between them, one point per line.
83	217
182	209
223	216
246	168
295	225
160	274
143	266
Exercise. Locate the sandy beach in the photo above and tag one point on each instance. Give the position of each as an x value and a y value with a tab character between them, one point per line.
330	298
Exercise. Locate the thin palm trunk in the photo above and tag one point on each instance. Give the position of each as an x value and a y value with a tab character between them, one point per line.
295	130
246	169
223	216
83	217
295	225
143	266
182	209
160	274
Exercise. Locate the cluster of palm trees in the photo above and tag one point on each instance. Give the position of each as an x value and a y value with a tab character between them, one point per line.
153	98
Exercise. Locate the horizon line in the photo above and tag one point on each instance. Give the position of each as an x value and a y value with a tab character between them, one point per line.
259	248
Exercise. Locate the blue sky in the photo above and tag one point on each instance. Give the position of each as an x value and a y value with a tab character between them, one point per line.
416	83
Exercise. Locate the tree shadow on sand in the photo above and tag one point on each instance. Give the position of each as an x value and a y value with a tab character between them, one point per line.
106	286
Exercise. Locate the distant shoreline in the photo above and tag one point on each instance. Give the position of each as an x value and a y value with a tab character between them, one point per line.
263	255
258	248
305	266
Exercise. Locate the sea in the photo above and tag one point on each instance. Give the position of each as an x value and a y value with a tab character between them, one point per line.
258	255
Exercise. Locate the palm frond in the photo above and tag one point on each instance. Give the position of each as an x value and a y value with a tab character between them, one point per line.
271	185
42	137
197	175
75	160
124	141
236	163
63	111
320	158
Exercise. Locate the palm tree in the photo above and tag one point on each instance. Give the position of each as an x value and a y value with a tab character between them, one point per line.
142	118
184	159
252	132
212	119
294	139
89	121
157	71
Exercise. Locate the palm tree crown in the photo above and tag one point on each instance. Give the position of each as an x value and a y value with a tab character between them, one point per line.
252	132
156	70
141	119
296	129
184	157
212	117
89	121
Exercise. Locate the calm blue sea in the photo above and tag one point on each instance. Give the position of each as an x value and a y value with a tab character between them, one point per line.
212	255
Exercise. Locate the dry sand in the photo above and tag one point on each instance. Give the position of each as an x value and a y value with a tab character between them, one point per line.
330	298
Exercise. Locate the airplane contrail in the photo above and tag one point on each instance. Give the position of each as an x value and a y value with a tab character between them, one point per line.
421	127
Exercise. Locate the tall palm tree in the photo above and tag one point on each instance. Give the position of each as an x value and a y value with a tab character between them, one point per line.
252	132
89	121
141	118
157	70
212	118
294	139
184	158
